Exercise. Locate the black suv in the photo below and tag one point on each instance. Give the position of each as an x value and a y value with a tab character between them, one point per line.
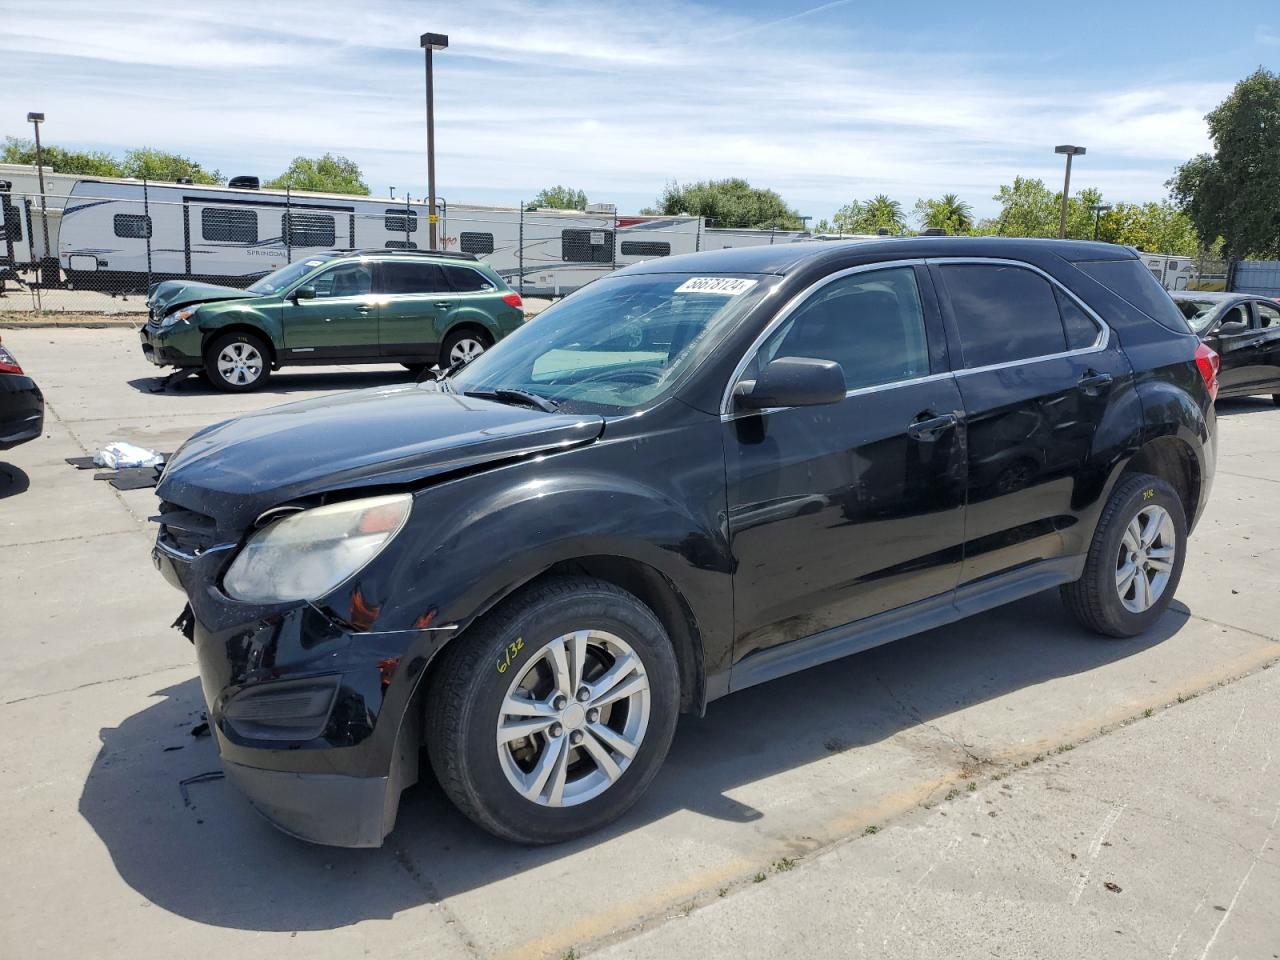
694	475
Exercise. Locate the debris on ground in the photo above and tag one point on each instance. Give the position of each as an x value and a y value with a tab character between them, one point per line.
1113	887
208	777
120	455
200	729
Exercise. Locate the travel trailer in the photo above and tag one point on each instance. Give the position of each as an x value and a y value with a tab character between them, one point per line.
119	235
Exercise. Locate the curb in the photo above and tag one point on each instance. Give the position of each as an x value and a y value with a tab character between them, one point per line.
68	324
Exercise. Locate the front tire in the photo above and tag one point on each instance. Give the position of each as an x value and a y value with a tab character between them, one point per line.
1135	560
465	344
237	362
551	716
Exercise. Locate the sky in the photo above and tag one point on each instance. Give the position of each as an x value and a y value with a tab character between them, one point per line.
824	102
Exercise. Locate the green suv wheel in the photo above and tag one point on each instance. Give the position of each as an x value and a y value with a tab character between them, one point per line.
237	362
463	345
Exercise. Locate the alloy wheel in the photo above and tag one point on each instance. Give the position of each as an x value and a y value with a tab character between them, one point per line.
466	350
240	363
573	719
1146	558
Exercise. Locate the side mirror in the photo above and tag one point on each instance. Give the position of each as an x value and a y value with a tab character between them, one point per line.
793	382
304	292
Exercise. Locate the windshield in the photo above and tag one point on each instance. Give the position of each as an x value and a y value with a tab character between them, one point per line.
277	281
617	344
1199	313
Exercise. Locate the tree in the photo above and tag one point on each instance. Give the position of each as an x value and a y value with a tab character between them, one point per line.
948	213
1234	193
1151	227
560	198
151	164
83	163
730	203
1030	209
327	174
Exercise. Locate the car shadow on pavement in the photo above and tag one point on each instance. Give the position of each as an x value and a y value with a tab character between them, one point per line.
200	852
13	480
1233	406
294	380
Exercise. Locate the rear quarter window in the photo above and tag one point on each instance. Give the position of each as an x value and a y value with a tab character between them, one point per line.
1132	282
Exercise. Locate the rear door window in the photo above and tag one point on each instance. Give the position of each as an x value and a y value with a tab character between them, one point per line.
1003	313
412	277
1132	282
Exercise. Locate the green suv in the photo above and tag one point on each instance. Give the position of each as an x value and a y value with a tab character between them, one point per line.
363	306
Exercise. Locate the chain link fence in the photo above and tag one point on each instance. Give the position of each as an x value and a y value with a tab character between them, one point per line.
97	247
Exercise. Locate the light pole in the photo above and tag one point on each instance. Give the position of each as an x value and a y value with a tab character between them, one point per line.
1098	209
35	119
429	42
1070	151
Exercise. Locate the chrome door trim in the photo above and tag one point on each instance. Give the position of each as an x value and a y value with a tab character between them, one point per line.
726	399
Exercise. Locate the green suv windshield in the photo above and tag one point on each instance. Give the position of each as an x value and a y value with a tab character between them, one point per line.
616	345
278	280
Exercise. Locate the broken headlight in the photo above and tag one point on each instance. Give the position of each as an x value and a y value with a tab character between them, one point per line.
307	554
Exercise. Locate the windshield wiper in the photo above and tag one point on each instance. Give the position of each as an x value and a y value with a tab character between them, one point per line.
507	395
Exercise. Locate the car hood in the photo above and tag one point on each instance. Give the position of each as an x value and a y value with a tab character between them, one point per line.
171	294
234	470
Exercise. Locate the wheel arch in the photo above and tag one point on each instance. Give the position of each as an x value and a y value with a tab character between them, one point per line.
239	326
1173	460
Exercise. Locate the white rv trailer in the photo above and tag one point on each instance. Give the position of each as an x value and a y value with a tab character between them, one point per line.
22	222
119	234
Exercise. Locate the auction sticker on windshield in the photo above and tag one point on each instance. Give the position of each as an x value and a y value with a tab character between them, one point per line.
723	286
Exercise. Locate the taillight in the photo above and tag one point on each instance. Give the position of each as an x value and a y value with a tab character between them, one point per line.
7	363
513	300
1207	361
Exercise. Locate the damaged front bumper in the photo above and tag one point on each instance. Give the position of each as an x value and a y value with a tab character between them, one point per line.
316	720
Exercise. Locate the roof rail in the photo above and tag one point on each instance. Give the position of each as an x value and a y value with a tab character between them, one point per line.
400	252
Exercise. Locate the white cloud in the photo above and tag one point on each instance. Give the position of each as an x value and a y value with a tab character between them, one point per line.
614	97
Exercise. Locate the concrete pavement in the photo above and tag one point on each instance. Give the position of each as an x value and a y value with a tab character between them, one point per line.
117	857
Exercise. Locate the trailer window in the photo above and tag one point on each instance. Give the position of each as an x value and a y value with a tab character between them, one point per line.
400	245
224	225
308	229
586	246
400	221
133	225
645	248
475	242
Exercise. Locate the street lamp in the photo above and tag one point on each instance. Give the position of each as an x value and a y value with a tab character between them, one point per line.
1098	209
35	119
429	42
1070	151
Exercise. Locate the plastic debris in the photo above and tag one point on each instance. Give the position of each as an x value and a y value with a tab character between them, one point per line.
119	455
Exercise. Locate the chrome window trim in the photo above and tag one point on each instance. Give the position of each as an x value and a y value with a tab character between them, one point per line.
726	399
1104	331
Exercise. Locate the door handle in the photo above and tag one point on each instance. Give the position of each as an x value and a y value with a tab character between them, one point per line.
364	311
1092	381
931	428
443	305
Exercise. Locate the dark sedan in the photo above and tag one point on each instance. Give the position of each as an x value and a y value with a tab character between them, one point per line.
21	403
1244	329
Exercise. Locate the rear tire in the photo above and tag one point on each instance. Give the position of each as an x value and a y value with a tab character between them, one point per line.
465	344
237	362
1275	398
1135	560
520	666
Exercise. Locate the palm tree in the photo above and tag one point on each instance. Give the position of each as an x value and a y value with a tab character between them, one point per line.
881	213
956	214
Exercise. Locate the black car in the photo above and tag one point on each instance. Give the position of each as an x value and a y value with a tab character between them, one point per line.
21	403
1244	330
693	475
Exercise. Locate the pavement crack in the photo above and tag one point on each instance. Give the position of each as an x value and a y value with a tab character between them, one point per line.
95	683
915	715
423	883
